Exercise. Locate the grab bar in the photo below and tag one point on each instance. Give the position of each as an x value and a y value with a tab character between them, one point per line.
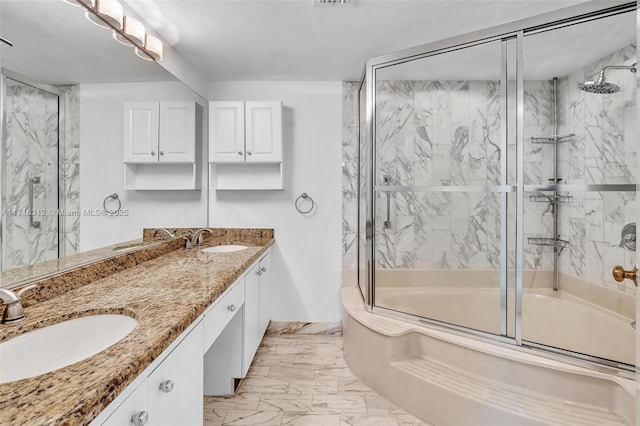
387	223
33	223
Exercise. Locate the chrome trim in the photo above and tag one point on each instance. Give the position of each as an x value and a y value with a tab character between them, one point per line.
370	223
519	182
613	187
504	156
471	188
602	362
358	185
534	24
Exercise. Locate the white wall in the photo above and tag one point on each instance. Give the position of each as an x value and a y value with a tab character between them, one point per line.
307	259
101	171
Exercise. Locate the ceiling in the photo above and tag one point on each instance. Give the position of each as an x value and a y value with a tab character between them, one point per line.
293	40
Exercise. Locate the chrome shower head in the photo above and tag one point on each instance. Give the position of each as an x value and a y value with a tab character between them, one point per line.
601	86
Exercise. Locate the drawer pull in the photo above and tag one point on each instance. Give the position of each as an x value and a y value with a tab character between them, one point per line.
232	308
140	418
259	273
153	153
263	269
166	386
239	152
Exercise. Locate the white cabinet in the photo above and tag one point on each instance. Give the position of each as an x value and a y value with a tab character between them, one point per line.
256	313
263	138
245	145
172	393
160	142
175	387
226	120
159	132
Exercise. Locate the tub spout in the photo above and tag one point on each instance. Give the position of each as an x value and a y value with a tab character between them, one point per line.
633	324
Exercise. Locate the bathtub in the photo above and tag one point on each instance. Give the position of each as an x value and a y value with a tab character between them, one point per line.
448	378
552	318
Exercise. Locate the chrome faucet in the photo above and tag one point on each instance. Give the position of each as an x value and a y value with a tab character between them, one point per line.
197	238
166	231
628	236
13	310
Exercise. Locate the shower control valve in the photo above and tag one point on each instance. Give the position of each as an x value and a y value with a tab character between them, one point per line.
620	274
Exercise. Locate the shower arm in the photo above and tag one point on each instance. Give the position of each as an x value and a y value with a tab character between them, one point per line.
633	68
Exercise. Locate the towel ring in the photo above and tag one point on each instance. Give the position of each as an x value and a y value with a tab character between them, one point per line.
304	196
115	197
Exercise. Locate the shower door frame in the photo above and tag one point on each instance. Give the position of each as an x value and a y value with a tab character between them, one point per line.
512	31
11	75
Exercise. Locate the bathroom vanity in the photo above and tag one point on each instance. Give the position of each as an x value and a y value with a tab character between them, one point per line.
193	309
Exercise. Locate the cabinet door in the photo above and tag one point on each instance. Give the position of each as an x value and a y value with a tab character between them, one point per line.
175	386
252	335
264	132
265	292
140	132
136	403
226	133
177	140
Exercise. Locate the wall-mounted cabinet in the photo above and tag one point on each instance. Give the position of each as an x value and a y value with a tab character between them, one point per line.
159	145
245	145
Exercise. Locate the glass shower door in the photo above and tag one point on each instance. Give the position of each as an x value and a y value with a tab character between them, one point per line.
29	175
441	187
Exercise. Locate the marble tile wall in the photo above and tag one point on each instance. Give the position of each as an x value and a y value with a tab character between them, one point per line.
31	141
604	151
447	133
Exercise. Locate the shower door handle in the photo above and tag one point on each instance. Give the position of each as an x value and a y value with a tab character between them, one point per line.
33	181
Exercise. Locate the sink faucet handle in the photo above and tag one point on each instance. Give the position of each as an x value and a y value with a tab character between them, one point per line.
187	242
22	291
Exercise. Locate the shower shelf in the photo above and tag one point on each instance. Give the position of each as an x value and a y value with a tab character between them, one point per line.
548	242
542	198
554	139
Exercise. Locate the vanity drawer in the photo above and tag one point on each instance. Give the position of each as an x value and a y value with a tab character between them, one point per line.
216	319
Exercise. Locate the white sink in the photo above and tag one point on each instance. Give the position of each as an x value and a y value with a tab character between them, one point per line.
224	249
50	348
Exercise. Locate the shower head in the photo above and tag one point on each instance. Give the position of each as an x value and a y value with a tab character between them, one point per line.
601	86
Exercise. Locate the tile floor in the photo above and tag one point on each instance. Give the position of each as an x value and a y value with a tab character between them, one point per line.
301	379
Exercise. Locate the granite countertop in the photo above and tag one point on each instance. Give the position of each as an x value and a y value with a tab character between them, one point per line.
165	295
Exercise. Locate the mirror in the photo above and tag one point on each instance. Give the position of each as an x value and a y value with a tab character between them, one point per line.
64	84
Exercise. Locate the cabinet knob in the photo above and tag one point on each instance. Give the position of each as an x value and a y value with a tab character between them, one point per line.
161	152
140	418
259	272
249	153
239	152
166	386
232	308
153	153
263	269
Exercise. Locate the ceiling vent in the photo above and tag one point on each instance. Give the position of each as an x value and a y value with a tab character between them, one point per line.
330	3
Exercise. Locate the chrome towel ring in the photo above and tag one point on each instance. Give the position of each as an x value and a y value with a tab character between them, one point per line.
304	196
115	197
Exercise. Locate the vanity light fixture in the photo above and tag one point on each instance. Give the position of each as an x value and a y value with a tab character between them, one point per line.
134	31
106	14
127	30
152	49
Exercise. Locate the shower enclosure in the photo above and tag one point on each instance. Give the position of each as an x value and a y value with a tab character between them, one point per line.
31	131
496	171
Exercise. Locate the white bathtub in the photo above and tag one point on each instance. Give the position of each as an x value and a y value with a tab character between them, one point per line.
449	379
551	318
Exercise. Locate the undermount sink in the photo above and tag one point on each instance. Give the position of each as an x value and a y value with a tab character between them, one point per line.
49	348
228	248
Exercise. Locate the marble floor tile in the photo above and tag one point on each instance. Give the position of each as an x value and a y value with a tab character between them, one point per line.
295	350
339	404
265	385
368	420
314	387
307	419
285	402
252	418
303	380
